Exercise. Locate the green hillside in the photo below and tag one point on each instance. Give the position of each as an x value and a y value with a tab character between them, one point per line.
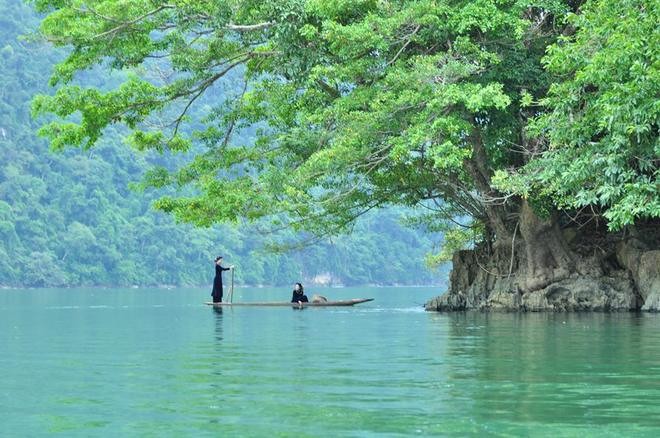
70	218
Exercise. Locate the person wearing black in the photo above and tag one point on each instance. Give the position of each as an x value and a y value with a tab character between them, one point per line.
217	281
299	294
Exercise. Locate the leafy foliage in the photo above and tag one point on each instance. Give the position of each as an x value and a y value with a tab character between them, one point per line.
69	218
361	105
602	122
364	104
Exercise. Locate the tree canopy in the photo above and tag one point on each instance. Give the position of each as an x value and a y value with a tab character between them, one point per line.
600	116
471	108
69	218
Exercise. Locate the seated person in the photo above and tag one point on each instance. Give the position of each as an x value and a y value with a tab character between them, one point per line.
299	294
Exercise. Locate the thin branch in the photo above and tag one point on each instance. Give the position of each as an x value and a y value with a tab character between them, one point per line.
404	46
195	92
183	113
233	121
126	24
446	215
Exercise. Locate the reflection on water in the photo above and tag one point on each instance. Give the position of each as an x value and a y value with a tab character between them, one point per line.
217	313
578	370
156	362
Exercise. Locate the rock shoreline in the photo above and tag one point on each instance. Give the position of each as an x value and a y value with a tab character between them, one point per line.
621	276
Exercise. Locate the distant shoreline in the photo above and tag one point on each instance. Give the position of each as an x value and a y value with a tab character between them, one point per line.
243	286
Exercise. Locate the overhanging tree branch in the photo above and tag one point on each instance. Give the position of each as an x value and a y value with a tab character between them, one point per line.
127	24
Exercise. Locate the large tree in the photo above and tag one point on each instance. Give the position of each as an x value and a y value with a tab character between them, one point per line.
360	104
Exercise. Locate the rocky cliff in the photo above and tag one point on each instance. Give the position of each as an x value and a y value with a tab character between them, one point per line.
614	272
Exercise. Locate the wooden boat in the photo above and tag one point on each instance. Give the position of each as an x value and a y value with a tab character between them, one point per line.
289	304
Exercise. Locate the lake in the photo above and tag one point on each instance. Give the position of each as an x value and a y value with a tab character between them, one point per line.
157	362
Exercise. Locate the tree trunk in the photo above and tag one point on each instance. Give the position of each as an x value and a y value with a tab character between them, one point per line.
548	258
480	171
496	213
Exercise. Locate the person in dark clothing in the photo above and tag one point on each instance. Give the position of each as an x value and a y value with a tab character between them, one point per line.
299	294
217	281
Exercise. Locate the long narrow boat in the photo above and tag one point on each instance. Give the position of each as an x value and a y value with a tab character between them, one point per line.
289	304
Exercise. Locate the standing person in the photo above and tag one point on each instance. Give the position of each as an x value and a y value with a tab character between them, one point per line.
217	281
299	294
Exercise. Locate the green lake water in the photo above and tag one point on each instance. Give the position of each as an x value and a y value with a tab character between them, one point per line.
136	362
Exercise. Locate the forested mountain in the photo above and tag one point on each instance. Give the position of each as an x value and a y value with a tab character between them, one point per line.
70	218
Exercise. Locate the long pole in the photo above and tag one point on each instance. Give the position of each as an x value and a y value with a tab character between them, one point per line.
231	293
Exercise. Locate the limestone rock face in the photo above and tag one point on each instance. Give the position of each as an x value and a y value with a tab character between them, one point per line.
644	266
572	294
648	279
652	303
447	302
628	254
502	300
584	293
612	275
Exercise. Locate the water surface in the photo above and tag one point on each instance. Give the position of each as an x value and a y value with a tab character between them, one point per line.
159	363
